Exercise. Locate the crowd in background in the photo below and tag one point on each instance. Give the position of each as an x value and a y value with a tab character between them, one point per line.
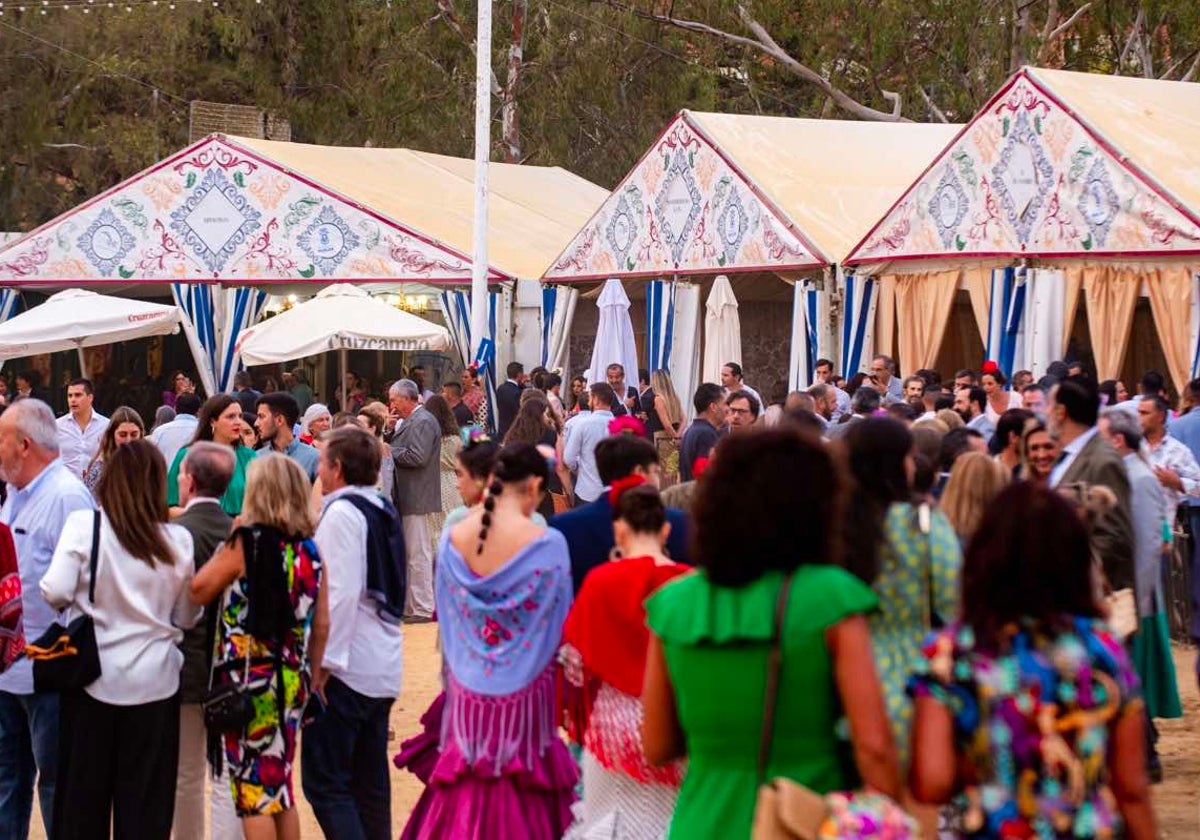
906	598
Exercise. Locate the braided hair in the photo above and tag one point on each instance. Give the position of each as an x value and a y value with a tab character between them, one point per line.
516	462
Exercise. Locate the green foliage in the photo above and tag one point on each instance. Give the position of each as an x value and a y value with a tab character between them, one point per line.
108	95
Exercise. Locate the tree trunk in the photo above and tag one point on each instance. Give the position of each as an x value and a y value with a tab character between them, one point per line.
510	117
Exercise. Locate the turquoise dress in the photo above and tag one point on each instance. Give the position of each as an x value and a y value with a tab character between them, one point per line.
231	501
909	561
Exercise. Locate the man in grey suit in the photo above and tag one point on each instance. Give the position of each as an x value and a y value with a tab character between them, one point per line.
1089	459
203	477
416	491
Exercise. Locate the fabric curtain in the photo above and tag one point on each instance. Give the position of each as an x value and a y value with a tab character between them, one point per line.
8	307
685	344
885	316
456	309
806	346
239	308
923	303
196	304
1005	336
1171	295
1111	294
858	317
660	324
558	313
1194	335
1044	321
213	320
722	330
1072	285
978	282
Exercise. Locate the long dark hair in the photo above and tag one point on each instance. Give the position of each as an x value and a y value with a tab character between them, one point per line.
440	409
876	448
782	489
213	408
515	463
1030	561
132	492
529	426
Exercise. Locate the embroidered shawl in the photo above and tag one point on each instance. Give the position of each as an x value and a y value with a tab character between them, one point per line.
12	636
500	631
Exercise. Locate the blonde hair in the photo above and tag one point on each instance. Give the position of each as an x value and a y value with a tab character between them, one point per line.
277	495
660	382
975	481
951	418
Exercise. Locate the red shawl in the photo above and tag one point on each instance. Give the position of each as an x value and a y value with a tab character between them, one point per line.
12	637
607	622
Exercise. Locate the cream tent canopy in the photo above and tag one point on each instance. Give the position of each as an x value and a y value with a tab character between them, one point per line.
252	212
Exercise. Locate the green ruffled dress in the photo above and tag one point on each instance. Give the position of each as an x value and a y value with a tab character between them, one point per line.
716	641
231	501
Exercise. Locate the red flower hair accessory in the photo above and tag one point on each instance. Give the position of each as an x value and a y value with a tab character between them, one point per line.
990	367
621	485
700	465
626	424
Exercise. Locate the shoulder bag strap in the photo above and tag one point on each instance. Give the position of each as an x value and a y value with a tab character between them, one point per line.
94	558
774	666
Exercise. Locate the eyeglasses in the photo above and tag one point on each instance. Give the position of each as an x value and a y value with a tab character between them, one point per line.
739	411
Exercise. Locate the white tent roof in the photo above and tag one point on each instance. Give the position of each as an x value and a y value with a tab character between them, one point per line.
338	317
1057	164
727	193
80	318
243	211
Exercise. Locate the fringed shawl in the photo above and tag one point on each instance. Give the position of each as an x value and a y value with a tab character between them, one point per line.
12	639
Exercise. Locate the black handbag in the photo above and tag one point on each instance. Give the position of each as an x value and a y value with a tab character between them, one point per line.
228	708
66	658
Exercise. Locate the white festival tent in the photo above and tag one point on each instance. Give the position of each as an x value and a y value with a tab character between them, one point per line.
1068	194
614	337
342	318
224	220
77	318
760	200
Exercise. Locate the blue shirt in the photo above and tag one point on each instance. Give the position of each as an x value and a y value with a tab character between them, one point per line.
306	456
579	452
1186	430
36	515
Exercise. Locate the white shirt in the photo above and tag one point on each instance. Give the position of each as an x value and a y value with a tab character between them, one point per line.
1069	453
363	650
76	446
140	611
579	452
173	436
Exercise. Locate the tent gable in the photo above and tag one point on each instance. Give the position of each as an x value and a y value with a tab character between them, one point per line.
219	212
1029	178
684	209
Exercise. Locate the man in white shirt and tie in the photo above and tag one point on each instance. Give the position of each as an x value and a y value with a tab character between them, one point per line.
79	430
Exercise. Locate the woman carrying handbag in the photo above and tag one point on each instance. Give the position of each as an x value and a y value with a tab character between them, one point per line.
713	632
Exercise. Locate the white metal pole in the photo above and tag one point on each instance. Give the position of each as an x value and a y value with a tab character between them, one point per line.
483	145
342	368
83	372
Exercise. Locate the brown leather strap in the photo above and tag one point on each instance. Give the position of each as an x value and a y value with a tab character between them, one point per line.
774	666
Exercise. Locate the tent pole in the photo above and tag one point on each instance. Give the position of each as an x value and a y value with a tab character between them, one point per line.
82	362
483	146
342	374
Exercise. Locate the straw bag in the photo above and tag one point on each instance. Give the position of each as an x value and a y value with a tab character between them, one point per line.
787	810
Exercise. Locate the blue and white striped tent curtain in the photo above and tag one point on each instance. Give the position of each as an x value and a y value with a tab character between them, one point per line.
660	324
805	343
1196	325
456	307
9	298
558	311
858	310
1006	319
214	318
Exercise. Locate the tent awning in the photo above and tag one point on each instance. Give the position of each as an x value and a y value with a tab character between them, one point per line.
78	318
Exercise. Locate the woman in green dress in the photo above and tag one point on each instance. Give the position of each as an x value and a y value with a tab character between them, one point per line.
220	421
706	670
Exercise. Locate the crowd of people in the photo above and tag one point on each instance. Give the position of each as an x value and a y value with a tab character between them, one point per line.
932	608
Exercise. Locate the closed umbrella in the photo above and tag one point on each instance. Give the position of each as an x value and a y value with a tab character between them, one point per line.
722	330
614	336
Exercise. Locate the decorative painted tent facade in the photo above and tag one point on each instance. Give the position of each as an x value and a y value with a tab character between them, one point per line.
760	199
1065	185
228	217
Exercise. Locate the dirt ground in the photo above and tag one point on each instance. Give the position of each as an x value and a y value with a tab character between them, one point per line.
1177	799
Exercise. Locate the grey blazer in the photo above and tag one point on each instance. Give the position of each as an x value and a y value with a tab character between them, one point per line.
416	447
1112	537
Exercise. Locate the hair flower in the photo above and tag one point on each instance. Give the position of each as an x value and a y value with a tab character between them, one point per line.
473	436
990	367
621	485
626	424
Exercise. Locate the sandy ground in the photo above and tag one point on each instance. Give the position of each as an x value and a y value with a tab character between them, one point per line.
1177	799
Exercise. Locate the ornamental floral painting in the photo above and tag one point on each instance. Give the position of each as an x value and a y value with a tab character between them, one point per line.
1027	177
683	210
217	211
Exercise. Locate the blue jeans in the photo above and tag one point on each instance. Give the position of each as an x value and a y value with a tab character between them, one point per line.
28	750
344	765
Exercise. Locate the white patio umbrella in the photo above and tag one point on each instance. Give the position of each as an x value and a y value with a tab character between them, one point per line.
77	318
340	317
722	330
614	336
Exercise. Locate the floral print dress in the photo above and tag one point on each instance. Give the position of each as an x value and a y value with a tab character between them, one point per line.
261	758
1034	721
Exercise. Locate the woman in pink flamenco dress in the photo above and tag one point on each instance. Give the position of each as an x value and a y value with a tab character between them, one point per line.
503	590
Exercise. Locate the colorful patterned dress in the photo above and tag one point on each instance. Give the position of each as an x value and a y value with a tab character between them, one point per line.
909	561
1030	719
261	758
